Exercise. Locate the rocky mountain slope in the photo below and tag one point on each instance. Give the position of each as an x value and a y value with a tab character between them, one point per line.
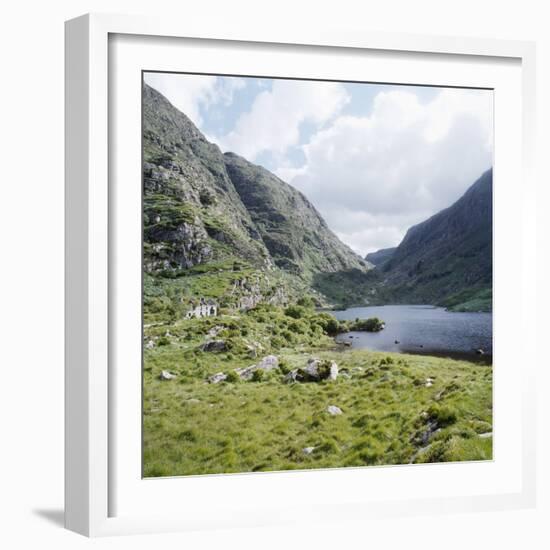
380	256
205	208
449	254
297	237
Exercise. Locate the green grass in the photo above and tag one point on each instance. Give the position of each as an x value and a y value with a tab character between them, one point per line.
193	427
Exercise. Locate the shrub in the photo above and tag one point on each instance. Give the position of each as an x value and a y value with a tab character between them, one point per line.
232	377
442	414
328	324
299	327
323	369
258	375
295	311
277	342
284	367
307	302
163	341
373	324
288	336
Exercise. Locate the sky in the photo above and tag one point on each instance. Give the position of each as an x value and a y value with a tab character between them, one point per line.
373	159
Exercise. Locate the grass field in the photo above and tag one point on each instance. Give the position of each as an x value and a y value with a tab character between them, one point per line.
396	409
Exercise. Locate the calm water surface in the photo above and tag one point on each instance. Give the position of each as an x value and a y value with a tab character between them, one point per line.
423	329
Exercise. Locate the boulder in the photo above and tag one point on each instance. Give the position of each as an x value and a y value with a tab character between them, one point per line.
150	344
268	363
333	410
246	372
308	450
314	371
311	370
292	376
214	331
333	371
214	346
218	377
165	375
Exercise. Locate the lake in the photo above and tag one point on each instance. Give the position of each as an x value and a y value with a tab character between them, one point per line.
423	329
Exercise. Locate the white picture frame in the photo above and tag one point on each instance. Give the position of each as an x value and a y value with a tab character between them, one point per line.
92	474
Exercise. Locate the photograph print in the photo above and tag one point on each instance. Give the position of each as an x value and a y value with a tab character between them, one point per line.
317	274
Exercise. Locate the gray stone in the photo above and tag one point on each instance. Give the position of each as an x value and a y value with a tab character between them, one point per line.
308	450
312	369
218	377
165	375
291	377
246	373
214	346
214	331
333	410
268	363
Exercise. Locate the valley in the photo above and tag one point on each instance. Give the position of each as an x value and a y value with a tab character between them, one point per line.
243	369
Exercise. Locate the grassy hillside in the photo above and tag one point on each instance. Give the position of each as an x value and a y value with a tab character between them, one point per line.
395	408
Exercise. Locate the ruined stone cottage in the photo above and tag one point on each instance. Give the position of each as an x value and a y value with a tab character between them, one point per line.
205	308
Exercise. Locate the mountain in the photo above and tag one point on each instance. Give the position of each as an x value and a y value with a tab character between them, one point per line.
446	259
380	256
297	237
206	208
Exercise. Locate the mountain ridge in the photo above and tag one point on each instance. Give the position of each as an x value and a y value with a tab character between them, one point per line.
449	252
204	207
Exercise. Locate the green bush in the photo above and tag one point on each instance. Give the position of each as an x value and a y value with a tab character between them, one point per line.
295	311
258	375
373	324
277	342
299	327
163	341
307	302
330	326
442	414
284	367
232	377
288	336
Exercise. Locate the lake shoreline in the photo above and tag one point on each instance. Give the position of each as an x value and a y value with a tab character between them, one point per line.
422	329
485	360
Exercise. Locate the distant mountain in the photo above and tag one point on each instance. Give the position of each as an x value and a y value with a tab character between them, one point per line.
380	256
447	257
202	207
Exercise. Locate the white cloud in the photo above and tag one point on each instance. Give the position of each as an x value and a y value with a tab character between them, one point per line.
189	93
373	177
273	121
